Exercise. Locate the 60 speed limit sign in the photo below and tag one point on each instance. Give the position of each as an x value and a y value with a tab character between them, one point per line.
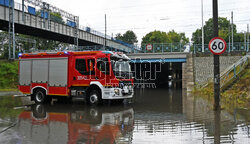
217	45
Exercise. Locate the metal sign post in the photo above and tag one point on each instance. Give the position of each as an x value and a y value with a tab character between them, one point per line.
216	60
217	46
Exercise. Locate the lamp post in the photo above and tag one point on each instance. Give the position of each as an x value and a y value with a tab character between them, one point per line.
202	29
247	37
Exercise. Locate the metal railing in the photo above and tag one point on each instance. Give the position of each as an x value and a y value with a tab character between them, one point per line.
232	73
162	47
188	47
237	47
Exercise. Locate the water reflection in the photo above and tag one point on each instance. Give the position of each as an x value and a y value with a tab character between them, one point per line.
156	116
69	123
173	117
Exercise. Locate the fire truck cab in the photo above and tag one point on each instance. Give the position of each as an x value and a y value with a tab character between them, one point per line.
92	75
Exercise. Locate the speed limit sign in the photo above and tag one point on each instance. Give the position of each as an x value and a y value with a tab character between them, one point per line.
149	47
217	45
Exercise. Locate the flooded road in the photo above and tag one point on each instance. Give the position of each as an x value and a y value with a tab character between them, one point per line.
156	116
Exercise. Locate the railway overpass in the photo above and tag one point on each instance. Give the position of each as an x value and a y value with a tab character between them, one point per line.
39	26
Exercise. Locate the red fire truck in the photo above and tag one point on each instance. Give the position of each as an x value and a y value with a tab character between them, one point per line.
92	75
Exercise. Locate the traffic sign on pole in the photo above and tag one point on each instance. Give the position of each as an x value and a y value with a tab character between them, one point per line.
149	47
217	45
216	59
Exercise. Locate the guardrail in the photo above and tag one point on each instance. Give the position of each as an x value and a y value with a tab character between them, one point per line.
232	73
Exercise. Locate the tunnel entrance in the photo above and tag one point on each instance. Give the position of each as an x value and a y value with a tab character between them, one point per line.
157	74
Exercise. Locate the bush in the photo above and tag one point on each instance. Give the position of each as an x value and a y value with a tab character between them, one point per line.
8	74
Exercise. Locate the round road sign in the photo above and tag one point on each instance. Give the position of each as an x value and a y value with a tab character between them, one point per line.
149	47
217	45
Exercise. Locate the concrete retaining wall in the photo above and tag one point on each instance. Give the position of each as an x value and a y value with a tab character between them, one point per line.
188	73
203	67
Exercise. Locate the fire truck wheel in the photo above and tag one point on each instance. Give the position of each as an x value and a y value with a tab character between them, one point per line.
39	96
94	98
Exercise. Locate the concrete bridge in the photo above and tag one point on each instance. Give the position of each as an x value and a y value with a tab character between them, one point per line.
159	57
38	26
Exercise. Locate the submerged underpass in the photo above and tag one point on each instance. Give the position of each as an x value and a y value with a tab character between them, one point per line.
176	69
157	74
159	70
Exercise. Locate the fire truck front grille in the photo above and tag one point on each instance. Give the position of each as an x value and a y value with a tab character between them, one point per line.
124	83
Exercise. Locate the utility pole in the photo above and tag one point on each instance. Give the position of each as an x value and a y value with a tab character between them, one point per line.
105	42
202	28
43	12
245	40
232	31
229	39
23	14
247	37
76	32
12	48
216	60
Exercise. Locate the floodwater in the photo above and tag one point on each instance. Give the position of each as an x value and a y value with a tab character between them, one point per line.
156	116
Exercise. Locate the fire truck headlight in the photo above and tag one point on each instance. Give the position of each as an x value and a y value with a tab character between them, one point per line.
116	91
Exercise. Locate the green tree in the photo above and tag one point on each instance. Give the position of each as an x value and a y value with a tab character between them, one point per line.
41	44
155	37
163	37
128	37
119	36
223	26
175	37
239	37
184	39
25	43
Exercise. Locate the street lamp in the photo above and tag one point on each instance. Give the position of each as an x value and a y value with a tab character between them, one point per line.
202	29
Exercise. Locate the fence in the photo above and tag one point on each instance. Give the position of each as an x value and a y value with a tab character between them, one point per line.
189	47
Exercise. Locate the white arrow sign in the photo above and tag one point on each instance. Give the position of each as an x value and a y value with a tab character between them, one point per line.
149	47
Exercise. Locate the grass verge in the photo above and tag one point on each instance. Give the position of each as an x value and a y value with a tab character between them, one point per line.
238	94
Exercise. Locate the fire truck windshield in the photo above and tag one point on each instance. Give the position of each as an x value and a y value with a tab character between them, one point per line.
121	68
